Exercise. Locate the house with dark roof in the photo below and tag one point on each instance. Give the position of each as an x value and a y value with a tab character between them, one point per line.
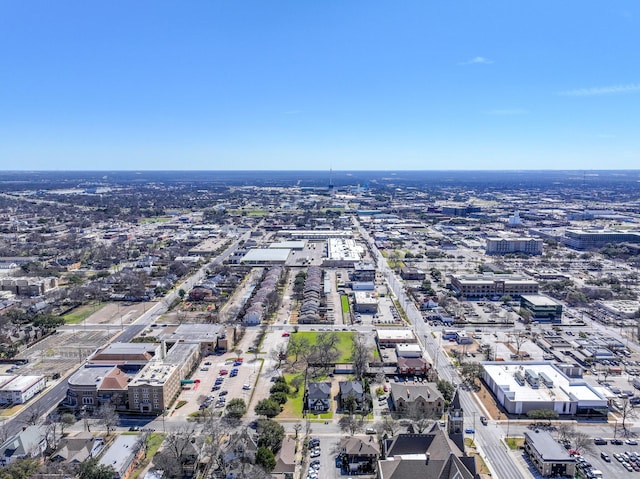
351	389
424	397
358	455
433	455
318	396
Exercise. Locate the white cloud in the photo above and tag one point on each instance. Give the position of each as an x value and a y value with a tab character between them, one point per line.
509	112
477	61
605	90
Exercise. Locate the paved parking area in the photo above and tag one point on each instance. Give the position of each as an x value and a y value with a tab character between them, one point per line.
204	380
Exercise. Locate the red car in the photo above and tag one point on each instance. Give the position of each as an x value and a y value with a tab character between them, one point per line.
285	335
223	372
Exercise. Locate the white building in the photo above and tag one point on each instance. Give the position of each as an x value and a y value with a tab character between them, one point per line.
521	387
19	389
502	245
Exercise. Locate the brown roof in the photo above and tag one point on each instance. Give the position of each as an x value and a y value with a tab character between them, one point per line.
115	380
360	446
286	458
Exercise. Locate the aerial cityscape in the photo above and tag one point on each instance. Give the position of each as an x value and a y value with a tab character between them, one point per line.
297	324
315	240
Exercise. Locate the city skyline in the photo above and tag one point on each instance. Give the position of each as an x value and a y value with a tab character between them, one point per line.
304	86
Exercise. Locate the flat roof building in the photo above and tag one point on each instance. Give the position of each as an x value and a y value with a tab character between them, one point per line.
521	387
262	256
488	285
19	389
501	245
543	309
548	456
391	337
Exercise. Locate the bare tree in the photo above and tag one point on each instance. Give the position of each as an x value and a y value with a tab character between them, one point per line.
626	411
177	444
350	424
518	340
565	431
388	426
279	355
108	417
582	442
32	415
360	355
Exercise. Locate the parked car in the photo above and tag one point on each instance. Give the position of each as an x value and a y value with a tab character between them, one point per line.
469	430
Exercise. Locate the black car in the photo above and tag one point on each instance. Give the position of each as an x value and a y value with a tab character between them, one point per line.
617	442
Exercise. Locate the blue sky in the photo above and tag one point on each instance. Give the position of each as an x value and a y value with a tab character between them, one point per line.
302	84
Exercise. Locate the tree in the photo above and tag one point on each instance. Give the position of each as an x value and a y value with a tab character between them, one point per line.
265	458
471	371
582	442
24	468
389	426
360	355
66	420
297	382
174	452
108	417
90	469
279	355
270	434
267	407
280	386
542	414
446	389
350	424
279	397
350	404
626	411
236	408
298	346
518	340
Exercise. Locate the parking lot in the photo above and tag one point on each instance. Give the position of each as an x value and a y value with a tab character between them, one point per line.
238	385
624	459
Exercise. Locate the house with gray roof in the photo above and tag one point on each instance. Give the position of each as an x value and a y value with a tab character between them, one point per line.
30	442
318	396
78	448
351	389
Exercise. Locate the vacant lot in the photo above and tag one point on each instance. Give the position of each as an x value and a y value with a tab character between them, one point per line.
344	342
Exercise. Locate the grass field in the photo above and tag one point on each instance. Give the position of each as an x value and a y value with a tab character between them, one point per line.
81	313
344	343
154	441
293	406
344	300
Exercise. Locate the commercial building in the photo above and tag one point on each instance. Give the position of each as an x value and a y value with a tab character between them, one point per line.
342	253
522	387
490	285
391	337
412	274
598	238
548	456
19	389
266	256
365	302
543	309
500	246
153	390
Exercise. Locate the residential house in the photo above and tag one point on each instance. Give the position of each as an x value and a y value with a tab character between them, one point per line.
285	460
78	448
30	442
319	396
358	455
351	389
424	397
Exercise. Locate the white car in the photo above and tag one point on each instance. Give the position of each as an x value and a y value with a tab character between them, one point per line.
246	387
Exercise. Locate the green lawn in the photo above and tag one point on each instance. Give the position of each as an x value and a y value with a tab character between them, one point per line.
293	406
344	344
81	313
344	299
